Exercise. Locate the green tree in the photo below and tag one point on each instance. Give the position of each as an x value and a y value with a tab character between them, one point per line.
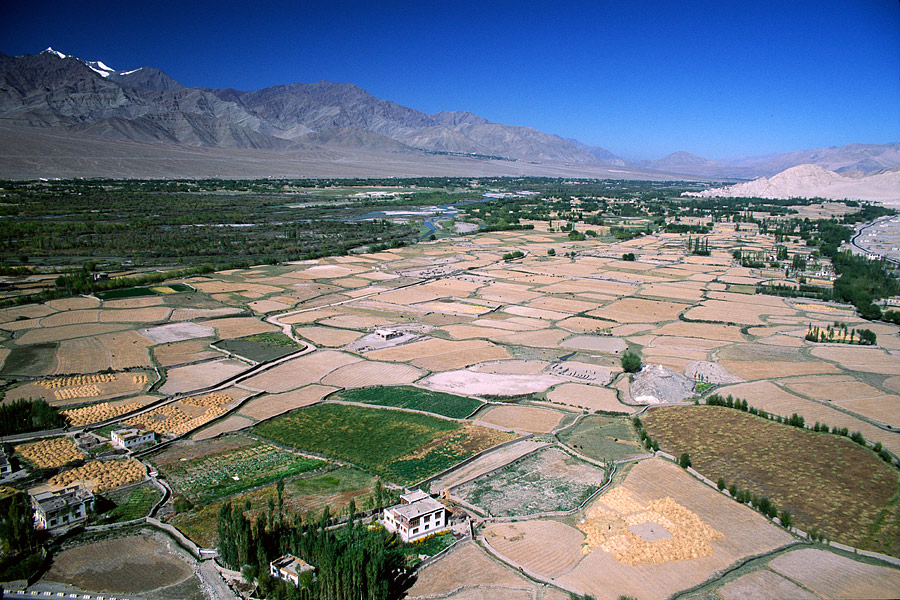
684	461
631	362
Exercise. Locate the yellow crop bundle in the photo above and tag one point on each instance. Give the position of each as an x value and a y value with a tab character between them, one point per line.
50	453
101	476
98	412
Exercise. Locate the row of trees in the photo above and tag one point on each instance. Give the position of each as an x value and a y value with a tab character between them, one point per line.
350	560
24	416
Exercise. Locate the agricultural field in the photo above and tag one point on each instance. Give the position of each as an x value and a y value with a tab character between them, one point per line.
261	347
369	437
401	446
102	476
827	482
51	453
215	476
531	349
145	563
128	503
447	405
308	494
603	438
548	480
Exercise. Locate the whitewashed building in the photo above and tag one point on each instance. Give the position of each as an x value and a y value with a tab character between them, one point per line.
418	515
289	568
129	438
63	507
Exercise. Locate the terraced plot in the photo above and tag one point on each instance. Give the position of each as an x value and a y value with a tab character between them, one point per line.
827	482
548	480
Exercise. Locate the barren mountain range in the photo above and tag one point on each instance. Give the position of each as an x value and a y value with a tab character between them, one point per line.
64	116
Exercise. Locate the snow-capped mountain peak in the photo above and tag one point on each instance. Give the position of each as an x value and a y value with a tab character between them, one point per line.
50	50
96	66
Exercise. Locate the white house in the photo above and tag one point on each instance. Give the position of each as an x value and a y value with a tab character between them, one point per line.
417	516
129	438
289	568
62	507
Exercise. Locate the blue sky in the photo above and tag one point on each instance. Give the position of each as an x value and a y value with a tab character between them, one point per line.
639	77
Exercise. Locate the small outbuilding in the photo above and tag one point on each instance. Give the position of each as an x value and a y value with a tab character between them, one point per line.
291	569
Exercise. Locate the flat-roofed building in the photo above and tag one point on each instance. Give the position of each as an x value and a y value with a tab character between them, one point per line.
418	515
54	509
131	437
290	568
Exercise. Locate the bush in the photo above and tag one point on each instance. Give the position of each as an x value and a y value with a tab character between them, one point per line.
631	362
629	256
684	461
721	483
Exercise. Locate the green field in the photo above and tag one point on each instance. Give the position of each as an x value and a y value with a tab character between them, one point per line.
132	503
209	478
261	347
34	360
603	438
448	405
368	437
134	292
305	494
827	482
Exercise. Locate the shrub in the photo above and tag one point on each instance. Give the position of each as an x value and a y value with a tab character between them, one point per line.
631	362
684	461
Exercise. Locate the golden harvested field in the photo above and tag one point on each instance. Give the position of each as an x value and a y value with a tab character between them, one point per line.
194	377
588	397
72	317
62	391
833	576
31	311
300	371
143	302
82	355
763	584
270	405
51	453
728	312
268	306
434	347
520	367
761	369
151	314
74	303
126	349
67	332
184	415
227	425
743	533
235	327
177	353
525	418
330	337
366	373
832	388
548	548
638	310
872	360
884	409
98	412
101	476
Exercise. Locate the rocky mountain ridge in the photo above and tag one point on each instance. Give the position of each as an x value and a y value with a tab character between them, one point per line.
88	98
